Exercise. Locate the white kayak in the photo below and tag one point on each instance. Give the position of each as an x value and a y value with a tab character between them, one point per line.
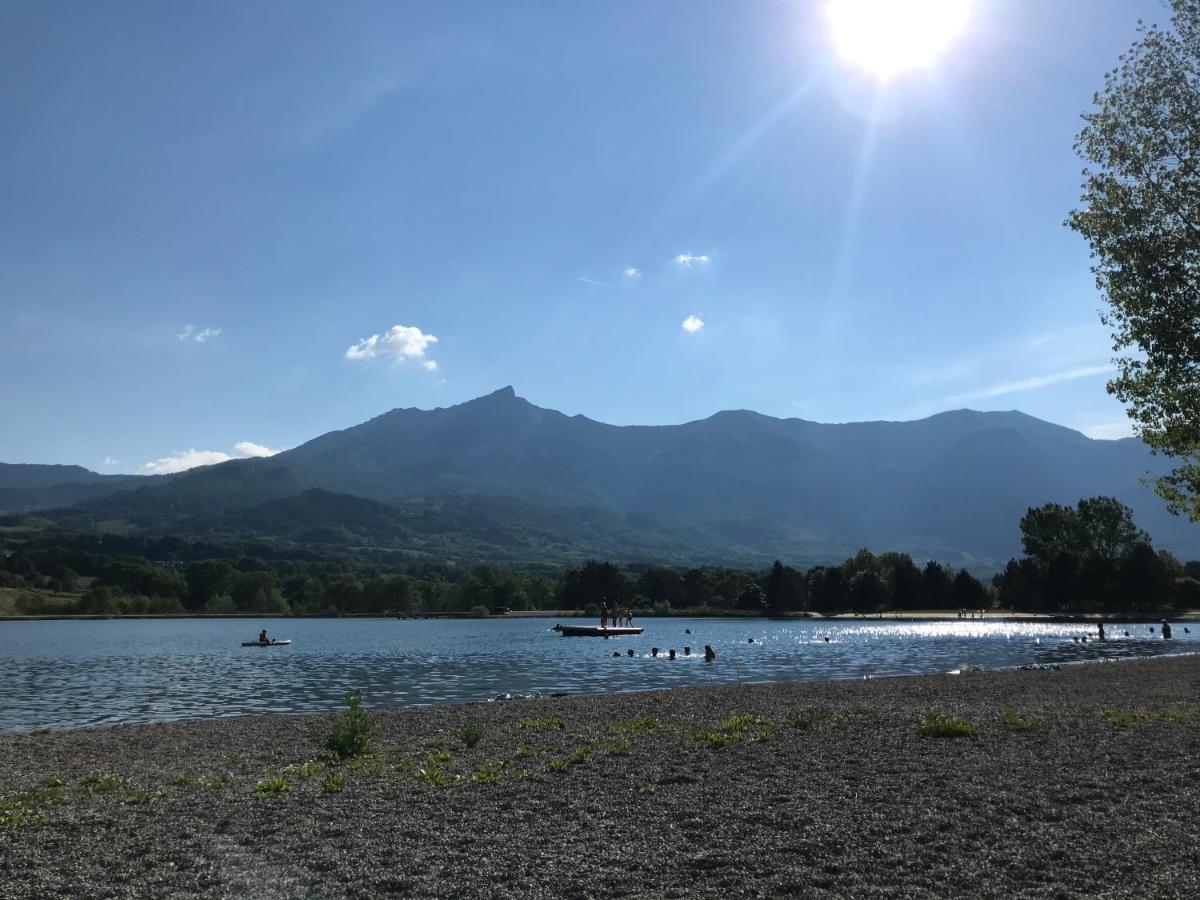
261	644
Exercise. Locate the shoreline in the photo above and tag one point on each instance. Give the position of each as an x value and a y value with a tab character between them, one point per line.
1020	618
1078	782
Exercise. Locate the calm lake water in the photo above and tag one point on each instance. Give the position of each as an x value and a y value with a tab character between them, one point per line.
70	674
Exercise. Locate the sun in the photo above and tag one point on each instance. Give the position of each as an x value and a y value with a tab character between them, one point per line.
890	37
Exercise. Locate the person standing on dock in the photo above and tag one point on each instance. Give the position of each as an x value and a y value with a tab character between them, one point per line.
603	614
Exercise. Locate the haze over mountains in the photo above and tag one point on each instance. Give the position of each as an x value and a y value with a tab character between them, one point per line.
499	478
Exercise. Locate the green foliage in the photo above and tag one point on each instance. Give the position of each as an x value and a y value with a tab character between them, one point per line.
809	718
352	732
1140	215
480	612
637	725
942	725
489	774
434	771
1120	718
735	729
541	724
1011	720
470	736
271	787
334	781
103	782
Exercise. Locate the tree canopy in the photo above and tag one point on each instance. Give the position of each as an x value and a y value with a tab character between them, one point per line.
1140	214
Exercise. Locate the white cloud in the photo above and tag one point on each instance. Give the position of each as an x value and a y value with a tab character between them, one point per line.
190	459
687	260
632	273
692	324
190	333
181	462
400	342
1029	384
249	448
429	365
111	461
590	281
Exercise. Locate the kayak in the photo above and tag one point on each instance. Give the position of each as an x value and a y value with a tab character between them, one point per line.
261	644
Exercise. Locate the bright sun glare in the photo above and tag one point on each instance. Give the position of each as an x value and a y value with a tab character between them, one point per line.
888	37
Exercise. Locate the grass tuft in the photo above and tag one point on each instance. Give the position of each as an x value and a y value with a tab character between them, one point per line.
941	725
103	782
1011	720
272	787
542	724
637	725
334	781
470	736
1120	718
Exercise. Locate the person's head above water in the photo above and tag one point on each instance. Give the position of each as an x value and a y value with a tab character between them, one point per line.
629	652
671	654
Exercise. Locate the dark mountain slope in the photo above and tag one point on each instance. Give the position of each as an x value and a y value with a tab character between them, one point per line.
737	485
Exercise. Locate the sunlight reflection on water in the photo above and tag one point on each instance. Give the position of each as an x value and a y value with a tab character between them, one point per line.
68	674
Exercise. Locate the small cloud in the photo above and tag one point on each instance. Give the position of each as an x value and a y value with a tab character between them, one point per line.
692	324
181	462
429	365
591	281
111	461
633	273
249	448
400	342
686	260
191	459
190	333
1028	384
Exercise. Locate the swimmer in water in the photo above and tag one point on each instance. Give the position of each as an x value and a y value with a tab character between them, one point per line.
687	651
709	653
629	652
654	651
671	654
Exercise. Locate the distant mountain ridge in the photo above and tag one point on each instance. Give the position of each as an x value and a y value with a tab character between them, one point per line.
737	486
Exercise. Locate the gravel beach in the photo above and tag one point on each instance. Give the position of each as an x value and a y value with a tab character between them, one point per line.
1078	782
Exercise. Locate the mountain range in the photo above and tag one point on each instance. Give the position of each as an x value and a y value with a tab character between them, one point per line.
498	478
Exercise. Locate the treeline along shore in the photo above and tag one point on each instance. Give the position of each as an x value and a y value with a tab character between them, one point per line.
1074	783
1084	559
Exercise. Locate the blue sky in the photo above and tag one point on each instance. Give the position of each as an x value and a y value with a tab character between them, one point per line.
245	223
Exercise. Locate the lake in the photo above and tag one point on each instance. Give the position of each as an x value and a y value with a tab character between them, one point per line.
71	674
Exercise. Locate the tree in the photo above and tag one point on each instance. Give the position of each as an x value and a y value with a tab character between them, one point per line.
1049	531
868	592
968	591
1140	215
1107	529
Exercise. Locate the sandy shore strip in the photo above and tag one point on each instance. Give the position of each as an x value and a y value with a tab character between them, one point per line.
1079	782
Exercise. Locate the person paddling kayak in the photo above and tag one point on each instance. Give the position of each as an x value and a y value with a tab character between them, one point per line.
262	637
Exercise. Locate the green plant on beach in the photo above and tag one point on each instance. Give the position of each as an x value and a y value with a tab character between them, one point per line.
1120	718
353	731
809	718
470	736
1011	720
539	724
941	725
737	728
334	781
489	774
637	725
103	782
309	769
619	747
271	787
434	771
